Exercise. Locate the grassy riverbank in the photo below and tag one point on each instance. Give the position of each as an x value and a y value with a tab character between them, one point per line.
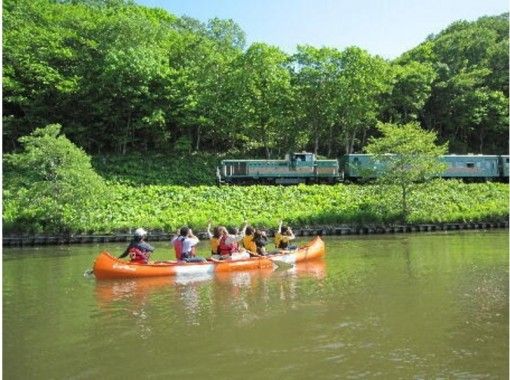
160	207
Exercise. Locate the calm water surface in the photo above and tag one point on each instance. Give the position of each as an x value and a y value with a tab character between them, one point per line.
392	307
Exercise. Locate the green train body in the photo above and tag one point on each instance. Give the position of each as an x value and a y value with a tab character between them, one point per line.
304	167
296	168
355	167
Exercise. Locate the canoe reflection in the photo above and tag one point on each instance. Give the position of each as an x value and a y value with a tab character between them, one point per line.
239	296
113	290
315	269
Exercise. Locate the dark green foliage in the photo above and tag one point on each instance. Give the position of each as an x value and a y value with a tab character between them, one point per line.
124	78
158	169
467	101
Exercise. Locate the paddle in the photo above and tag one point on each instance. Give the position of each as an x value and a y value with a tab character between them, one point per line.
88	273
282	265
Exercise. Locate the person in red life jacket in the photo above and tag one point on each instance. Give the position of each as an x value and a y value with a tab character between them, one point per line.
138	249
229	241
185	246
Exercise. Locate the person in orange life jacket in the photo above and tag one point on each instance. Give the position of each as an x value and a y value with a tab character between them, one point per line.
229	240
283	236
214	238
138	249
260	239
248	242
184	245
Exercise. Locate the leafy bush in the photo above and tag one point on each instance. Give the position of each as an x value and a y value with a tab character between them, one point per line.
50	185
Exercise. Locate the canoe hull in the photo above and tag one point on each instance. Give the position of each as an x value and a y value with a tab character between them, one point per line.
107	266
313	250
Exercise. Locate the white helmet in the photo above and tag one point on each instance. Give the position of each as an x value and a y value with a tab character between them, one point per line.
140	232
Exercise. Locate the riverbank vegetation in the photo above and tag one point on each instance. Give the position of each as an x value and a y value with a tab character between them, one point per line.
51	187
169	207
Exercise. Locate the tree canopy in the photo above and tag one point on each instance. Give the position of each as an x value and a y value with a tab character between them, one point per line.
407	155
120	78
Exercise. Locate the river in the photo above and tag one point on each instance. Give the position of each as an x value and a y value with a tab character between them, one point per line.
409	306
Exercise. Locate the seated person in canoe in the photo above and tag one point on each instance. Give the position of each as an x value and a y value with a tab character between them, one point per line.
185	246
229	243
283	236
249	242
214	239
260	239
138	249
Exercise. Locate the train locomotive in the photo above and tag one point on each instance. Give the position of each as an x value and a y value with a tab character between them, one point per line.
305	167
296	168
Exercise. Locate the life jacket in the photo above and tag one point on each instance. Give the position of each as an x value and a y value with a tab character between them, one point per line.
138	256
281	241
215	243
226	249
249	244
178	245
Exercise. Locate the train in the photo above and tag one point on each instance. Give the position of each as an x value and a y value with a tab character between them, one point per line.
306	167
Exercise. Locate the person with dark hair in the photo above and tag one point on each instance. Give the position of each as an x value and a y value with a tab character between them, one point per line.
214	239
138	249
248	242
283	236
260	239
184	244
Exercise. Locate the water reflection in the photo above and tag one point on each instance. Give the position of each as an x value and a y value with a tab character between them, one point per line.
193	301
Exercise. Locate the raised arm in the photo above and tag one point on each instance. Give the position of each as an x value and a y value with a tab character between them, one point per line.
209	233
280	227
243	230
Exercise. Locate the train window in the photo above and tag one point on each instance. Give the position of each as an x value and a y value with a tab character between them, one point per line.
470	165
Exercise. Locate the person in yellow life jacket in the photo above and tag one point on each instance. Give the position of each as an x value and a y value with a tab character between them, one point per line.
214	238
283	236
249	242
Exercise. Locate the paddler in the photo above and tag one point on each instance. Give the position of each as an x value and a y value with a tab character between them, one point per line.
138	249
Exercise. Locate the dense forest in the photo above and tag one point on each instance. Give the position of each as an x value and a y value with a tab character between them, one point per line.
122	78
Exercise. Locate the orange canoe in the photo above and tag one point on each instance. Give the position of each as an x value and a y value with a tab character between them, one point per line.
107	266
310	251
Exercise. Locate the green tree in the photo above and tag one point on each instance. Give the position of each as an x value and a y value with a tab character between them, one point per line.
339	94
364	80
411	89
316	76
51	181
468	103
262	104
407	155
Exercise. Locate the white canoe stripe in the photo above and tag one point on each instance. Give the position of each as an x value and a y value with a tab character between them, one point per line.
193	269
